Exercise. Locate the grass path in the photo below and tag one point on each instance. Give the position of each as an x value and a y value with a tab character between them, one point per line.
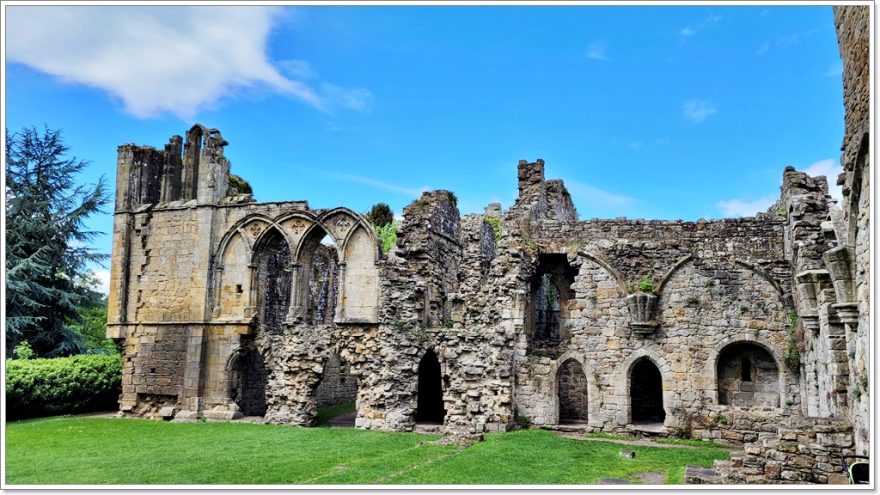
133	451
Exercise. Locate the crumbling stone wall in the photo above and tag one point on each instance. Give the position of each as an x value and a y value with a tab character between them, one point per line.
704	328
337	385
853	257
799	450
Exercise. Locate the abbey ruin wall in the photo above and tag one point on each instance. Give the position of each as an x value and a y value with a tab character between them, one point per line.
732	329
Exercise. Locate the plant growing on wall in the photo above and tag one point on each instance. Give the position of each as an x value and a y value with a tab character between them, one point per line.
495	223
792	356
237	186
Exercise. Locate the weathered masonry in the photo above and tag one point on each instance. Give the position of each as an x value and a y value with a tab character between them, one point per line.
742	330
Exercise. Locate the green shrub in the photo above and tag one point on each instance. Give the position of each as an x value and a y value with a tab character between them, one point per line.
46	387
388	235
23	350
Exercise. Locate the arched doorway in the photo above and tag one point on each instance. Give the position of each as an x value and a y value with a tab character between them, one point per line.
646	392
572	392
429	404
747	376
248	378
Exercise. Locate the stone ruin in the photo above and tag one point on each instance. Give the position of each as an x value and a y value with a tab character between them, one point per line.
750	330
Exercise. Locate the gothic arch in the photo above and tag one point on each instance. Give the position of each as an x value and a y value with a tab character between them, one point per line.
592	390
621	282
711	369
313	235
623	382
669	273
785	300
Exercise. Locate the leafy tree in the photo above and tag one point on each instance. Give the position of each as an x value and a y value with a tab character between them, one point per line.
92	325
380	215
47	253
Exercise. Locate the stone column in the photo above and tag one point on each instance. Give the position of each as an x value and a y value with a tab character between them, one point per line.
216	287
297	287
250	310
340	293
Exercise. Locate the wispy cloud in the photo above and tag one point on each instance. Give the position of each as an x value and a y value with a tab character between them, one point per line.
297	69
835	70
830	168
409	191
597	50
698	110
786	41
689	31
593	196
163	59
744	208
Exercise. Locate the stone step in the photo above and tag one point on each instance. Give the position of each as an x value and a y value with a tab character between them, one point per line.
696	475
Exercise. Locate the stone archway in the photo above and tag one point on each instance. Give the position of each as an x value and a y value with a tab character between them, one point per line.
248	379
572	392
429	395
646	392
747	375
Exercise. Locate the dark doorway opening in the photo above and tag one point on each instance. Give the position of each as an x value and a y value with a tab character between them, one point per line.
249	378
572	392
646	393
429	408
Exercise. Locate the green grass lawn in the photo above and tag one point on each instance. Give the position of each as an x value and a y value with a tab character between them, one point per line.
68	450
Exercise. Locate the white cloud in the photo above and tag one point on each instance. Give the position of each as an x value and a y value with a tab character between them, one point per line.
596	50
158	59
742	208
103	278
763	49
698	110
593	196
687	32
830	169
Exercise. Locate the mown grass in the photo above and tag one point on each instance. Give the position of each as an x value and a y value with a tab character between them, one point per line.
132	451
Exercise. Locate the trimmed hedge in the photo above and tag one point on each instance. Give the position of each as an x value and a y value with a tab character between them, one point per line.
47	387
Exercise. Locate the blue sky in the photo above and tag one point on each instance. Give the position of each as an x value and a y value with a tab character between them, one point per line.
655	112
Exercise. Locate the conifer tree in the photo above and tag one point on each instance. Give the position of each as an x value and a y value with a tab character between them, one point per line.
47	246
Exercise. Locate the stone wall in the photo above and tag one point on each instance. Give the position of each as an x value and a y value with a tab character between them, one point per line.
853	34
799	451
224	307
